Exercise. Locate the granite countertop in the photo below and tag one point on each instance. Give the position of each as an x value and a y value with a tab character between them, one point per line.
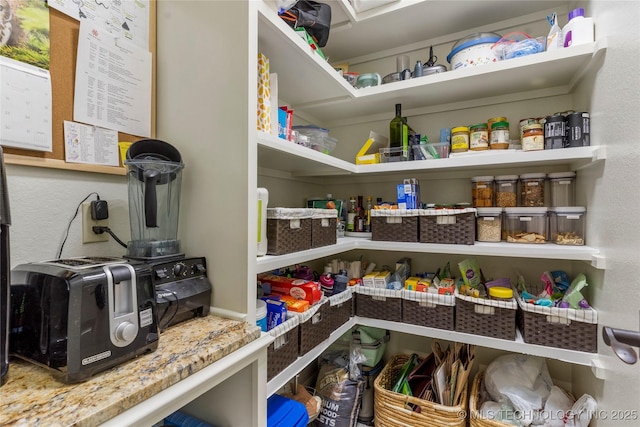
31	396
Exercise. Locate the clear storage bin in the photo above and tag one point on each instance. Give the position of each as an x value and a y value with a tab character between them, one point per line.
489	224
567	225
482	191
506	191
562	188
526	225
532	189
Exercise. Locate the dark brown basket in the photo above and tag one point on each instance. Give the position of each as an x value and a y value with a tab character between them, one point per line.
401	229
456	228
323	232
283	351
378	304
428	310
496	319
315	327
282	239
340	308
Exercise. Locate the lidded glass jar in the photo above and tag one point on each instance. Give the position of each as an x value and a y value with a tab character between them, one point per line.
532	137
489	224
532	189
459	139
526	225
567	225
499	135
478	137
482	191
506	191
562	188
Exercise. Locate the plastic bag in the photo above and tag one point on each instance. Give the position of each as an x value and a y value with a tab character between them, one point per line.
517	44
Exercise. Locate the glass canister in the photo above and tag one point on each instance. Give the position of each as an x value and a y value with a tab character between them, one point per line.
459	139
506	191
499	136
526	225
489	224
562	188
478	137
567	225
482	191
532	189
533	138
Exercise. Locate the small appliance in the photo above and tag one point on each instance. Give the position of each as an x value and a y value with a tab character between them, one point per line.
81	316
5	221
183	290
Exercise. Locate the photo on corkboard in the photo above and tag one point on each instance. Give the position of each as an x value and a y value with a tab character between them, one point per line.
24	31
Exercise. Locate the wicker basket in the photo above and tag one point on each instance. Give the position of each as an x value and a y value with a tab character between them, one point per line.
315	326
374	303
390	408
324	230
454	226
394	225
475	419
428	309
288	230
568	328
283	351
340	308
486	317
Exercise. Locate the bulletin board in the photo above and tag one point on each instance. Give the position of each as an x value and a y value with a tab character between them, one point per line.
64	33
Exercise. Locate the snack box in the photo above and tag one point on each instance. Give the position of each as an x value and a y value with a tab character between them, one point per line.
369	279
294	304
382	279
297	288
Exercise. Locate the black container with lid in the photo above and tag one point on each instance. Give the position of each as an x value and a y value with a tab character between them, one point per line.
554	132
578	130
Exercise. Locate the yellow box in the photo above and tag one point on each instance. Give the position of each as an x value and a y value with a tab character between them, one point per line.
370	151
411	283
124	146
369	279
382	279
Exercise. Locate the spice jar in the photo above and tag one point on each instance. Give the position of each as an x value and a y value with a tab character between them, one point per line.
532	189
562	188
459	139
533	138
499	136
506	191
482	191
478	137
489	224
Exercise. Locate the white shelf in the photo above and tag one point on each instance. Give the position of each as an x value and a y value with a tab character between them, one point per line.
517	250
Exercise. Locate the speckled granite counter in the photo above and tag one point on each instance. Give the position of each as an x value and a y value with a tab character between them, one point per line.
31	396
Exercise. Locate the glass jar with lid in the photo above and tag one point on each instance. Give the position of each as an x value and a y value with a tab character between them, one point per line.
499	135
478	137
532	137
482	191
489	224
506	191
562	188
532	189
526	225
567	225
459	139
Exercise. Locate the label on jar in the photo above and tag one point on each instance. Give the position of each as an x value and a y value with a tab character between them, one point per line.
533	142
499	136
479	140
460	142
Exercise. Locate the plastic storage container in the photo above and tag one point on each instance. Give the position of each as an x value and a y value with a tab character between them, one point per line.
526	225
489	225
261	314
506	191
473	50
482	191
562	188
567	225
532	189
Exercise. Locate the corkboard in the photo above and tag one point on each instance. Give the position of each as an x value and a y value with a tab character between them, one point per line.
64	32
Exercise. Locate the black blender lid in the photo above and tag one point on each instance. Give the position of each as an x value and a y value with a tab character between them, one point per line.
153	149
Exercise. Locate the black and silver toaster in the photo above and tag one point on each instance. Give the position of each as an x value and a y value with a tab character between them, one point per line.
81	316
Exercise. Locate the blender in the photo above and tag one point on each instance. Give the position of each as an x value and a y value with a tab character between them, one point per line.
154	170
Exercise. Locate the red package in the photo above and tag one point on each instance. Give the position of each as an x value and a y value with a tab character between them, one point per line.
297	288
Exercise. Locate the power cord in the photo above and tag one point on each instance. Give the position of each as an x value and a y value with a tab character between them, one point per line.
71	221
99	229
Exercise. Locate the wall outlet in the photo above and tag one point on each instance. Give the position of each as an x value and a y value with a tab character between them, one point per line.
88	236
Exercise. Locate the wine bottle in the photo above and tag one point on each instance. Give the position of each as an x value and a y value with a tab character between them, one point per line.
351	214
396	133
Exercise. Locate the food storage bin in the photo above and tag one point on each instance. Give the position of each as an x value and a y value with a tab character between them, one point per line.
506	191
489	225
431	150
567	225
482	191
532	189
562	188
526	225
473	50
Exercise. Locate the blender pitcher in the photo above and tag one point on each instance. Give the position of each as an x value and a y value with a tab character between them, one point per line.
154	169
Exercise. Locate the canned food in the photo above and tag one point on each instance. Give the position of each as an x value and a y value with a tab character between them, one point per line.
554	132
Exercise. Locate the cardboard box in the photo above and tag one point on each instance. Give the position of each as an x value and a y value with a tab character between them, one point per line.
382	279
369	279
297	288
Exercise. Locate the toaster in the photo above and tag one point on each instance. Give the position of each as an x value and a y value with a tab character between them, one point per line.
81	316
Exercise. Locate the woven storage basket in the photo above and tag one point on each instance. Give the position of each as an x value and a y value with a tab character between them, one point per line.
315	326
397	225
324	230
288	230
568	328
390	409
428	309
455	226
283	351
486	317
475	418
340	308
374	303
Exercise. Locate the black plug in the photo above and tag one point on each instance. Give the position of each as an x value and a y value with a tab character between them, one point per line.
98	229
99	210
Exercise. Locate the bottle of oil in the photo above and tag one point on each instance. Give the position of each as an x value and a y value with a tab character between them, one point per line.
397	134
351	214
367	214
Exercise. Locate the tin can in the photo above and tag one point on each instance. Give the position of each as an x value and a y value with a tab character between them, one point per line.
577	130
554	132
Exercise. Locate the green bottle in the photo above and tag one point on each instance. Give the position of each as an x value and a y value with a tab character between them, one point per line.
397	133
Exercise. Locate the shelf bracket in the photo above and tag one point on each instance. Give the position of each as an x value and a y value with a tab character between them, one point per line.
598	369
598	261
